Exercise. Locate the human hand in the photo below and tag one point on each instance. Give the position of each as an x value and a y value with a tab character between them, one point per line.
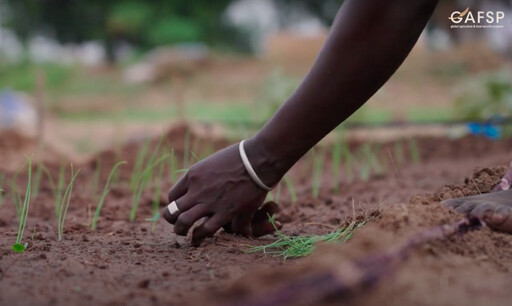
220	190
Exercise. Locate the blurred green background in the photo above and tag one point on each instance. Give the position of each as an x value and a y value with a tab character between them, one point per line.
134	66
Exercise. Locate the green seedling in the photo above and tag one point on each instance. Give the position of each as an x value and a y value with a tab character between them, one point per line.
15	192
154	219
154	154
18	246
300	246
116	177
372	159
95	181
139	162
194	155
142	181
291	189
364	168
318	164
278	192
58	191
415	153
64	204
37	180
142	155
336	161
16	197
106	191
269	197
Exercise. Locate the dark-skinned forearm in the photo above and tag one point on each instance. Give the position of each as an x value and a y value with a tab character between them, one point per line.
368	42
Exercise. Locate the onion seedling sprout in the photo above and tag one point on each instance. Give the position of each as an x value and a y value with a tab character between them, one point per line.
37	180
142	180
106	191
372	159
364	171
18	246
291	189
58	191
15	193
16	197
139	161
64	203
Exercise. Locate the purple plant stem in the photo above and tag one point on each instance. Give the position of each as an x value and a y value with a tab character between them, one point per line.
313	288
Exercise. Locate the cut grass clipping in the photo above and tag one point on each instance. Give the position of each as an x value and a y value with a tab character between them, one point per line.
104	195
18	246
300	246
64	203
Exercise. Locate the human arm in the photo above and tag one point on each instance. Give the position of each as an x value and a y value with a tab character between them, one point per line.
368	42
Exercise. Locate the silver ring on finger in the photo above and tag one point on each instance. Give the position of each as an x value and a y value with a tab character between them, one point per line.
173	208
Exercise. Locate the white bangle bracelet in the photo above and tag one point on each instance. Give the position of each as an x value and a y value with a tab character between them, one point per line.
249	168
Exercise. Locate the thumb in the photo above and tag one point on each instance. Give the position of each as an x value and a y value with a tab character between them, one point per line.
260	223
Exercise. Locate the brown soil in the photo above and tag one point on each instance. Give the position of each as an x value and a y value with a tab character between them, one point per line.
126	263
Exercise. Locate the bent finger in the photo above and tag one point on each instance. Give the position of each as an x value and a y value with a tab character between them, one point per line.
178	190
209	227
188	218
177	207
261	224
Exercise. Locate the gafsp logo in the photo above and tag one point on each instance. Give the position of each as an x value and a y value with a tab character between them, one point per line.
479	19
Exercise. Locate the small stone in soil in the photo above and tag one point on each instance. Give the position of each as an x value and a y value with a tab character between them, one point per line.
144	284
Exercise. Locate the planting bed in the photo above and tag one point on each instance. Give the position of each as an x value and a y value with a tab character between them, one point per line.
127	262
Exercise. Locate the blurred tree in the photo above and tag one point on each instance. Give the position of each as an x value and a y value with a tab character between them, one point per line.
147	24
325	10
144	23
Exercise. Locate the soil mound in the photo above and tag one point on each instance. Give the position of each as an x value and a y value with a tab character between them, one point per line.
470	268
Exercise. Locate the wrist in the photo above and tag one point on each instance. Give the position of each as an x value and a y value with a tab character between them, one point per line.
267	163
